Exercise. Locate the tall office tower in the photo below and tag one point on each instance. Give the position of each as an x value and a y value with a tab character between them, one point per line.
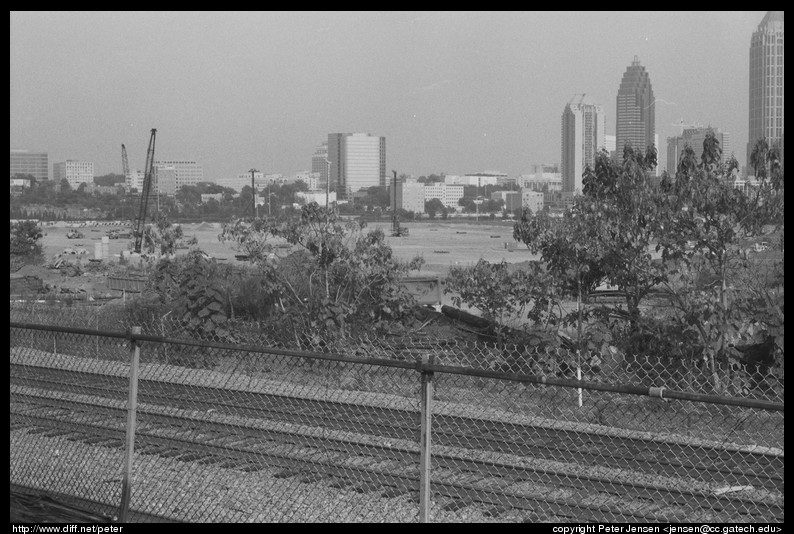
75	172
766	83
35	163
185	173
694	137
582	137
610	143
636	117
320	165
358	161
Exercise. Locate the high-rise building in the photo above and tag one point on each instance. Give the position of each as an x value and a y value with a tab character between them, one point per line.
610	143
636	117
766	83
694	137
358	161
75	172
582	137
320	164
35	163
185	173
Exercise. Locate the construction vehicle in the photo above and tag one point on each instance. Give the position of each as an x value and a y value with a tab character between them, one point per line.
397	230
147	186
74	234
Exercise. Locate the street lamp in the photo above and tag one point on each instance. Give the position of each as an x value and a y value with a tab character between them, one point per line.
327	183
255	210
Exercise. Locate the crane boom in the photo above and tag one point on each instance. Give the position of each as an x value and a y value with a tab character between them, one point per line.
147	185
125	166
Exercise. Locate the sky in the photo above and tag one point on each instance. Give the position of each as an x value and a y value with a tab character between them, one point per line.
452	92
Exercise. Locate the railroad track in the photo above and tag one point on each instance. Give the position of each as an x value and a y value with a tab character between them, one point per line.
710	464
197	439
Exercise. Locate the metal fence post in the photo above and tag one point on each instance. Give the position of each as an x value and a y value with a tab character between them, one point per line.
424	442
132	401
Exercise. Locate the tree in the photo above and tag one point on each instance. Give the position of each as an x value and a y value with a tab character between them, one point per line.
434	206
25	236
713	217
343	274
503	293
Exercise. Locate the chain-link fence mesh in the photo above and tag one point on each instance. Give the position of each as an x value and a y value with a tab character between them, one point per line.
67	420
273	426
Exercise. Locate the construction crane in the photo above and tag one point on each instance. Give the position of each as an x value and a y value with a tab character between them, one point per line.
125	166
397	231
147	185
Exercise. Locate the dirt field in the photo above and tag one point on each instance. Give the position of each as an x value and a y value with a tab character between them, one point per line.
441	245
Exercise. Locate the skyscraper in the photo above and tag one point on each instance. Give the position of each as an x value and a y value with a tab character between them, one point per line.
766	83
320	165
636	117
582	136
35	163
694	137
358	161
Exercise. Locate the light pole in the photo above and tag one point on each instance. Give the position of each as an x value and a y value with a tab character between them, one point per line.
327	183
255	210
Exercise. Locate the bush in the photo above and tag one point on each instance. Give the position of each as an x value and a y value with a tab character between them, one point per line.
24	238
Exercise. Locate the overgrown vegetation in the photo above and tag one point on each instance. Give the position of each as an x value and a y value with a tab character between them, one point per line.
25	245
677	253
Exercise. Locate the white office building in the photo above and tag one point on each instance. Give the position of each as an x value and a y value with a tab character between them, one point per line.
449	195
582	137
75	172
185	173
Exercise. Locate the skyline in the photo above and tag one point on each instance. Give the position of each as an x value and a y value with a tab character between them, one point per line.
453	92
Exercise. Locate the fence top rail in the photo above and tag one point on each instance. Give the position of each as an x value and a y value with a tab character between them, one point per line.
426	365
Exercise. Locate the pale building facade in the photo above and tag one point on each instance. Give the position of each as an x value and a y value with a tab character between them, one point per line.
449	195
410	196
636	112
320	164
307	197
532	200
358	161
75	172
185	172
694	137
582	136
766	84
34	163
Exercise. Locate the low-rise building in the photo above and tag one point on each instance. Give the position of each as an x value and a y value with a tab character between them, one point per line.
410	196
74	172
532	200
512	199
449	195
307	197
206	197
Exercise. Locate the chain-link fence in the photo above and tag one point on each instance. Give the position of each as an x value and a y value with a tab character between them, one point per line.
270	426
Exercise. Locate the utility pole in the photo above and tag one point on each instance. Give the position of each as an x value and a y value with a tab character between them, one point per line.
328	183
395	227
255	210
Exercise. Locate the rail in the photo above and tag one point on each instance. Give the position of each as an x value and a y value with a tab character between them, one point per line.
200	431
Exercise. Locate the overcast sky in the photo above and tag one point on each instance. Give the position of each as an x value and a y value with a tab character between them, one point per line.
453	92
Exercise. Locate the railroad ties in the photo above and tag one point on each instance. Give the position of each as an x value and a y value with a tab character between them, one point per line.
496	467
